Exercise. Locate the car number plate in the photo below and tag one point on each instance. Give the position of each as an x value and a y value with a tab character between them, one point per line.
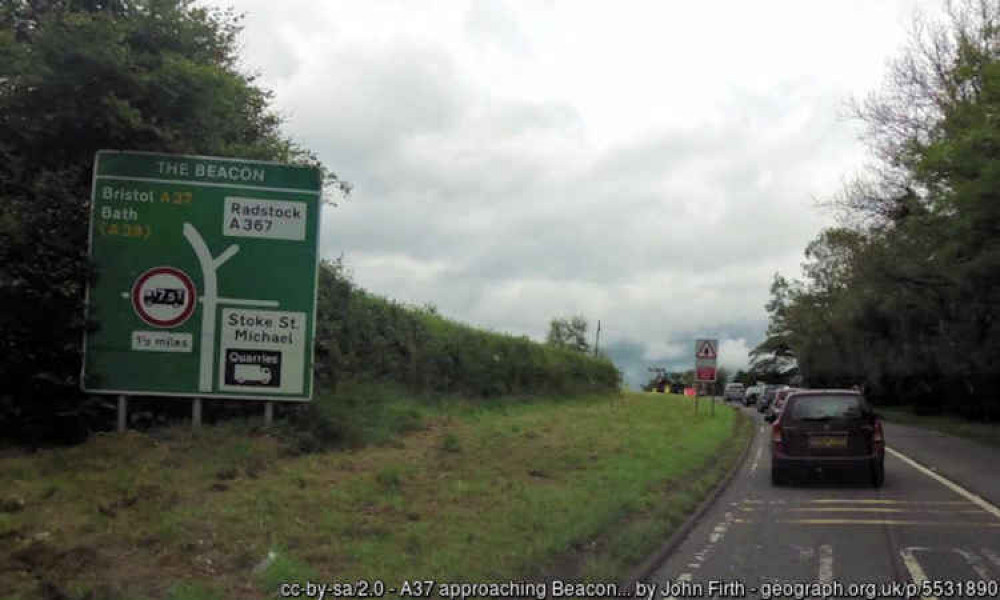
828	441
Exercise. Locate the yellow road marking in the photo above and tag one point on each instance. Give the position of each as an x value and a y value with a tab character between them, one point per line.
887	522
993	510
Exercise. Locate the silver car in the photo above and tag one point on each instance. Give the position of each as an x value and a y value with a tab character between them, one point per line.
734	392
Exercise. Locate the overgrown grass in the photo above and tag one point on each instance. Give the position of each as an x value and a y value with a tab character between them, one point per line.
984	433
358	414
477	493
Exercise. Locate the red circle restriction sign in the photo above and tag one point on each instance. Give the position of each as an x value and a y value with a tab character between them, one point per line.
163	297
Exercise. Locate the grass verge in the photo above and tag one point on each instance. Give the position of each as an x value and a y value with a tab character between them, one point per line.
586	487
984	433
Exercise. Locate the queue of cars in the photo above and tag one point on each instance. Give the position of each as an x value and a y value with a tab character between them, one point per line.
819	431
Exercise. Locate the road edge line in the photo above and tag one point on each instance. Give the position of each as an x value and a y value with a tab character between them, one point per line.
647	567
961	491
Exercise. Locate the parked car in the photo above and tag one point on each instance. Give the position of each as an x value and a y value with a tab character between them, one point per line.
764	402
734	392
752	393
827	430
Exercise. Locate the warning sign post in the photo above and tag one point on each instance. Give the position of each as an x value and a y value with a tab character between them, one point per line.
705	355
206	277
706	351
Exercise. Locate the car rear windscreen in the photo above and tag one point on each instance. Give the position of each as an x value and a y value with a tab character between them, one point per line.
807	408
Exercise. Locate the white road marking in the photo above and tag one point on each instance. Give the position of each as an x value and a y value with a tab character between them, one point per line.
826	563
916	571
718	532
883	501
993	557
880	509
993	510
756	459
975	562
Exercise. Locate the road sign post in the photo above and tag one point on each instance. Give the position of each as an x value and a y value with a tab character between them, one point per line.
206	278
706	351
122	413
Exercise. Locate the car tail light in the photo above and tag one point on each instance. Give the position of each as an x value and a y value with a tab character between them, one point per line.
776	433
877	436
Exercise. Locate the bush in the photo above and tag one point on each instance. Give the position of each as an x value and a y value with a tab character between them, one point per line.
362	337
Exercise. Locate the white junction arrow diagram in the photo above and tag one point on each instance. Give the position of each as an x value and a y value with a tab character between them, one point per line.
210	300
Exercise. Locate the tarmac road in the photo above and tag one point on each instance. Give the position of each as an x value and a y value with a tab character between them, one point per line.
915	528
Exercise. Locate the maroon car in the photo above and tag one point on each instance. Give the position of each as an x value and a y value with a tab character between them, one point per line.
827	430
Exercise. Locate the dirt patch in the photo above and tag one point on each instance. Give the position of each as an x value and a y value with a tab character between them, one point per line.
11	505
46	561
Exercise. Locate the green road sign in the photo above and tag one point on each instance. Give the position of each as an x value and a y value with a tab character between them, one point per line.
206	277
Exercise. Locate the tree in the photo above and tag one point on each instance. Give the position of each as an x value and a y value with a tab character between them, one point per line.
570	332
76	77
904	296
743	377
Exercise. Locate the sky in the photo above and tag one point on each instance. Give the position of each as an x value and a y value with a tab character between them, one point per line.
650	165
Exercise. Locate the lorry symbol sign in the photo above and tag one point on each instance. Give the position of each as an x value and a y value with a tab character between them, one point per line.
252	373
163	297
259	368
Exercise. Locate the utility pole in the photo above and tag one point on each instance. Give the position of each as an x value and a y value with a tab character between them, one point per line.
597	342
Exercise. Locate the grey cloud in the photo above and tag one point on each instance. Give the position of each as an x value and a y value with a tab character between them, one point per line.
504	214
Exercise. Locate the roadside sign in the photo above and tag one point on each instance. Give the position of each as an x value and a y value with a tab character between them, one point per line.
705	349
206	277
705	355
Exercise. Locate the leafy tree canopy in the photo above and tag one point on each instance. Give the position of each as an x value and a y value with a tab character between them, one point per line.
904	295
77	76
569	332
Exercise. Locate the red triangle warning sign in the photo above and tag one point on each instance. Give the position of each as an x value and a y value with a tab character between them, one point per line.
706	349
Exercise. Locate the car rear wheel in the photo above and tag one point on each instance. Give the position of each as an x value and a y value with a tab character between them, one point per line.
878	474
